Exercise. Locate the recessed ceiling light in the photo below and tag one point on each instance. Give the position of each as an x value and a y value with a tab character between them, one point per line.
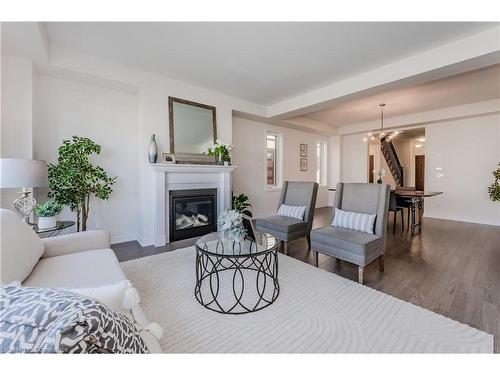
365	139
422	139
418	146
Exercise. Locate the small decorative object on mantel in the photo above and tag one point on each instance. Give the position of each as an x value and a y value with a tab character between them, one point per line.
494	189
168	158
379	174
231	225
303	150
47	214
303	164
221	152
153	149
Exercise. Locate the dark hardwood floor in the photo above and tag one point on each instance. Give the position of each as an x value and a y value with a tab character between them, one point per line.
451	268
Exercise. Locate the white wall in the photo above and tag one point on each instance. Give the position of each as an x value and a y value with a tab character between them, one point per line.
16	117
64	108
465	152
354	159
249	155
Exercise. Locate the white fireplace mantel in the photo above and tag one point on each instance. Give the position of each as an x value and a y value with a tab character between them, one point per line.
183	177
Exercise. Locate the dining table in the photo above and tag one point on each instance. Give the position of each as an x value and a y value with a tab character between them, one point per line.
416	198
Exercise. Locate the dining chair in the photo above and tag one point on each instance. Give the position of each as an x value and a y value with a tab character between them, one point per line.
394	207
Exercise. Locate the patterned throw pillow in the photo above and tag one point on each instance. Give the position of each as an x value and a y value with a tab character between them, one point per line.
354	220
297	212
40	320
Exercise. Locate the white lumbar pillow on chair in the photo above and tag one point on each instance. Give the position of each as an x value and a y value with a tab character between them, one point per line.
296	212
20	248
354	220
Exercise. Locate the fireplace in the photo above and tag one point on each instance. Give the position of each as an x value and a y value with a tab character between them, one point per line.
192	213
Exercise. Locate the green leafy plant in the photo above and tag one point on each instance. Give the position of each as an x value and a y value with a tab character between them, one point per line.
220	149
241	204
494	189
48	209
74	179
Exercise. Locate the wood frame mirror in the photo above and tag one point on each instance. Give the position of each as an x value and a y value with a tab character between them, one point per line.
172	101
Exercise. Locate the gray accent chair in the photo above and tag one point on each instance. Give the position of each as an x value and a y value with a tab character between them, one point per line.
354	246
285	229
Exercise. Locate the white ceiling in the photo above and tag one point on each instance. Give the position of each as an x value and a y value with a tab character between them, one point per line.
260	62
475	86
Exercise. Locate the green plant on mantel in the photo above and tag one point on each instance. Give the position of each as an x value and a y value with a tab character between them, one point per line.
494	189
74	179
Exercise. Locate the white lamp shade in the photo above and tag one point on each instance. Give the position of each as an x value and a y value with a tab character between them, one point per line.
23	173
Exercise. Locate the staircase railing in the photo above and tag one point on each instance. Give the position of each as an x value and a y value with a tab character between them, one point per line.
392	160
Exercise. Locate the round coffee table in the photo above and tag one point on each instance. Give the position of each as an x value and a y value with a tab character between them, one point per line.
234	277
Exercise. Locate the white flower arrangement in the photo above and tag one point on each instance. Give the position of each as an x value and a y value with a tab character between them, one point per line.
230	222
221	150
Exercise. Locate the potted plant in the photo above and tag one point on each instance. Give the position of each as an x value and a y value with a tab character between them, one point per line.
73	180
47	214
221	151
241	204
379	174
494	189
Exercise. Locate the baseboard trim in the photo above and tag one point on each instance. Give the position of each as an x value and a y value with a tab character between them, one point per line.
145	241
124	237
482	222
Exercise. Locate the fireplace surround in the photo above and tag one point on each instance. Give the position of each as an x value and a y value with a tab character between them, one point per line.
172	177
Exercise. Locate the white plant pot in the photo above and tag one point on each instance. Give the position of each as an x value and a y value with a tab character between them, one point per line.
47	222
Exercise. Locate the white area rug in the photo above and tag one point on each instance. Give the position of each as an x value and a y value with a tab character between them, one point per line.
316	312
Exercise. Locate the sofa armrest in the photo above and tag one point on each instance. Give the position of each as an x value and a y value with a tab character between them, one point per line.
75	242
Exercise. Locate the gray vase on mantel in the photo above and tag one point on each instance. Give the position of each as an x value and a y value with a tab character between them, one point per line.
153	150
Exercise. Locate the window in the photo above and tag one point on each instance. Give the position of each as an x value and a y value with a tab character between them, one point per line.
273	160
321	167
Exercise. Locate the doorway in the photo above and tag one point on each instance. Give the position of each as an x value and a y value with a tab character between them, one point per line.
419	172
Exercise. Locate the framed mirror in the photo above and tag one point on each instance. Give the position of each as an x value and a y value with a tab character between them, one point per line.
193	128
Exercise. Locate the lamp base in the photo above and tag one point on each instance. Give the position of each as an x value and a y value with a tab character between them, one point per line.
25	204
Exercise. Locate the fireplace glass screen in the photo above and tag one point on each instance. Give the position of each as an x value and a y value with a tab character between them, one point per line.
192	213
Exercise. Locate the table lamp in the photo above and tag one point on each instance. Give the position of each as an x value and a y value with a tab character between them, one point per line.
23	173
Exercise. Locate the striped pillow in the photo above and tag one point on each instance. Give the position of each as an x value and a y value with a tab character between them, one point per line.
297	212
354	220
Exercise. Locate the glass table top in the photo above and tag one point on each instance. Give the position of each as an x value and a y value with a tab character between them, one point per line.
59	226
216	244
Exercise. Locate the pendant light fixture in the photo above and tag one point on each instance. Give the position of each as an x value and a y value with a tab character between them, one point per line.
382	134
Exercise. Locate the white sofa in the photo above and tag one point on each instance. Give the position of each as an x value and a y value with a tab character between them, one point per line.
72	261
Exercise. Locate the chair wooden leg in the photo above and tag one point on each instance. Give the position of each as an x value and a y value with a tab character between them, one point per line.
308	239
285	247
394	224
381	263
408	219
402	221
315	258
360	274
